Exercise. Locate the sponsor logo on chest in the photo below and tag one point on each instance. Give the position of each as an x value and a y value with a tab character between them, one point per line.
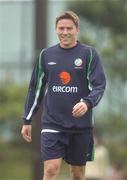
65	78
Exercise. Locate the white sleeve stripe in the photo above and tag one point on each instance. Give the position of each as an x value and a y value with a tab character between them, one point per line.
49	130
36	98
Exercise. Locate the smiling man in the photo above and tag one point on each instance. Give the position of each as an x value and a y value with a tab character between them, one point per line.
67	32
75	84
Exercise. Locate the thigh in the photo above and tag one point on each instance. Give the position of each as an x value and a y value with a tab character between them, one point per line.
51	146
79	148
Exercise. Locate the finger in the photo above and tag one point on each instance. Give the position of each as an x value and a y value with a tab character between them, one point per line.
29	134
27	137
77	107
78	115
78	110
82	107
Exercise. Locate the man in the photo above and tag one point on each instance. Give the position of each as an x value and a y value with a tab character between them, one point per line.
75	83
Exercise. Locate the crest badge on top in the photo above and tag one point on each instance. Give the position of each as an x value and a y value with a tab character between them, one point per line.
78	62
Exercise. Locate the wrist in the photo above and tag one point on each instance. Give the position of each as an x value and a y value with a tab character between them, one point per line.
27	122
86	102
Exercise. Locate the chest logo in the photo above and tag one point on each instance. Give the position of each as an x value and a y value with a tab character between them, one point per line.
78	62
65	77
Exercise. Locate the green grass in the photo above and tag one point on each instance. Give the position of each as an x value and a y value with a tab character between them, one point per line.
15	162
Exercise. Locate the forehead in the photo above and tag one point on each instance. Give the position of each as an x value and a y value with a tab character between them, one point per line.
65	23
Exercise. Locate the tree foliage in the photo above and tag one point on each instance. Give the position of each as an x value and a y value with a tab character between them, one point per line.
12	101
105	13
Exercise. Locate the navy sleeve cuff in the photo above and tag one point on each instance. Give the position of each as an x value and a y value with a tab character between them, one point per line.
89	105
27	122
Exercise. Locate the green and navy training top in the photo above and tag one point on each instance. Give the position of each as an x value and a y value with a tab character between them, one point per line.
70	76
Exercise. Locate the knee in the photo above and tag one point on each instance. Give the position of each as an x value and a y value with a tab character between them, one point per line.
77	174
51	170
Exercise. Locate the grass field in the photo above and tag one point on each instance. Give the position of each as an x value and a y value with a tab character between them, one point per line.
16	163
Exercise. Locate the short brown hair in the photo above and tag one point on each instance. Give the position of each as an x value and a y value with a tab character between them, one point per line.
69	15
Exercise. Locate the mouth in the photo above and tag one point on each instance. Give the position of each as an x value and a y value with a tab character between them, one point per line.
65	38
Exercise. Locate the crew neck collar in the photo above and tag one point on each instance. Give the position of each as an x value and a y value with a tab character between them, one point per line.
70	47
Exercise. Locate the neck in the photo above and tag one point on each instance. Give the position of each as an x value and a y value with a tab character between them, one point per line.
68	46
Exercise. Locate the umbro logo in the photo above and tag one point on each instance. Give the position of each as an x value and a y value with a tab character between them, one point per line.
52	63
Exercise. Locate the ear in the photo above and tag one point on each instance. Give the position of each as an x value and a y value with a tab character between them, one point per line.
78	30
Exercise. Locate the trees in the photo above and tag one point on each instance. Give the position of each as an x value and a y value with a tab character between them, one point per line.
11	101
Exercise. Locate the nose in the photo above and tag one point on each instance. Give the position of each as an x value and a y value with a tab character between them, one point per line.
65	31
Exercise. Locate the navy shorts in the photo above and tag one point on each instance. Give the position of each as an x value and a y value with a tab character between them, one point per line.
74	148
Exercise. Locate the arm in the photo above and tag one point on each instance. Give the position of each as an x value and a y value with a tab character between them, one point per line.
96	79
96	85
34	97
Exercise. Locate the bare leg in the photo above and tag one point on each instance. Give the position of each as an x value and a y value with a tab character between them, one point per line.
51	169
77	172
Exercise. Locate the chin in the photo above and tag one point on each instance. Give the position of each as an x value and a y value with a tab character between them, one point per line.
66	45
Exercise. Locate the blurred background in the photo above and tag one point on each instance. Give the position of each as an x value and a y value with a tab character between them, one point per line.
27	26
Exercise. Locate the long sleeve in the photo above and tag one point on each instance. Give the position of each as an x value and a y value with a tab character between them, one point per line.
36	89
96	79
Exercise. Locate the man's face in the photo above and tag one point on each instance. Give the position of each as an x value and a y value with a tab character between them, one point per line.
67	33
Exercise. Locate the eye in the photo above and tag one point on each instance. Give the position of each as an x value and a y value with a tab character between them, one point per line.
61	28
69	28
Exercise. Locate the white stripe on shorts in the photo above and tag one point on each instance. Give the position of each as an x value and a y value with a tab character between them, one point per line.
49	130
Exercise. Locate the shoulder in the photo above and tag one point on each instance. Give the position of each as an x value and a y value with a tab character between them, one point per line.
88	49
85	46
51	49
48	50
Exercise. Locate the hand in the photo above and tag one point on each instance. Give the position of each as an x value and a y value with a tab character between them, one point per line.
26	132
79	109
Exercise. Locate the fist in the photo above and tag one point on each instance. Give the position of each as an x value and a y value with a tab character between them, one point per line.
79	109
26	132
